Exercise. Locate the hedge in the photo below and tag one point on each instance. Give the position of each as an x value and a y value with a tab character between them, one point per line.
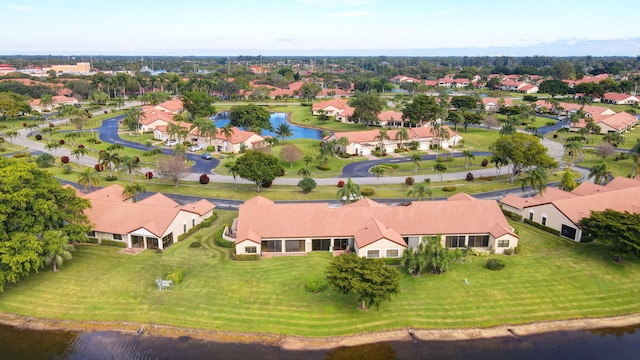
512	216
392	261
177	276
219	241
367	191
245	257
114	243
542	227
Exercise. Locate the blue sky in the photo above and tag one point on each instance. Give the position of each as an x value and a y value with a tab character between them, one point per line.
233	27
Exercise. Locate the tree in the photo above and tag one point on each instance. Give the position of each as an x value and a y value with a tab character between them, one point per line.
133	191
567	183
283	130
227	131
88	178
250	117
613	138
416	159
309	90
307	184
11	134
32	202
98	98
554	87
468	158
349	192
132	118
290	153
522	151
79	153
370	279
440	168
56	248
402	135
233	170
12	105
378	171
382	136
508	128
600	173
327	150
198	104
366	107
605	150
258	167
635	156
423	109
131	164
172	167
536	179
430	256
109	160
614	228
206	128
420	191
575	150
46	101
464	103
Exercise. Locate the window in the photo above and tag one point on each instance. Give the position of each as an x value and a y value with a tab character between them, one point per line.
137	241
503	243
167	241
91	234
568	231
340	244
294	245
117	237
250	250
373	254
320	244
152	243
271	246
478	240
531	215
193	222
393	253
184	228
455	241
543	220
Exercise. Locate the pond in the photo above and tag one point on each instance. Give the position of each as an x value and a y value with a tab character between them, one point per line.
276	119
614	343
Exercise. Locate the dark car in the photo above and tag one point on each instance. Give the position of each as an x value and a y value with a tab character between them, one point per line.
206	156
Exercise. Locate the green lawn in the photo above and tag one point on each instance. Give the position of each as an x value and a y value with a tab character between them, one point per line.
552	279
618	168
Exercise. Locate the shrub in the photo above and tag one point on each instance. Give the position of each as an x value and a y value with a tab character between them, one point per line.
324	167
211	148
114	243
367	191
449	188
52	124
61	141
98	167
80	146
487	178
64	159
484	162
219	241
316	285
517	249
470	176
409	181
196	244
204	179
512	216
392	261
508	251
307	184
542	227
20	155
45	160
177	276
24	124
445	158
111	178
389	165
38	137
413	145
186	143
66	169
148	175
340	183
2	149
245	257
495	264
208	221
267	184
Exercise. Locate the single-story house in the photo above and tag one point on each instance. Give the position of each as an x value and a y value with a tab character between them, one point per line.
493	104
153	118
152	223
58	100
620	99
562	211
239	139
369	228
173	106
620	123
331	107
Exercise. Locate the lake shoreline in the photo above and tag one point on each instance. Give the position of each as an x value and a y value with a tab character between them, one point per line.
300	343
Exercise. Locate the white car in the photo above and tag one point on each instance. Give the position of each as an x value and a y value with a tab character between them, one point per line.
170	143
193	148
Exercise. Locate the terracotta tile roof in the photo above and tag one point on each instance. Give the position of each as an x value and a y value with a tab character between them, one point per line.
200	207
390	115
587	188
159	199
547	197
491	100
337	103
172	105
374	230
110	193
239	136
461	197
365	202
620	121
619	200
616	96
295	220
423	132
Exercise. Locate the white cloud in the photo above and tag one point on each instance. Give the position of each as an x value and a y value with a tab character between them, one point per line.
20	8
352	13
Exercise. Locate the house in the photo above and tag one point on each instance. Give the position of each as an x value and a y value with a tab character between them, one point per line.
620	99
620	122
239	140
518	86
331	107
365	142
172	106
153	118
368	228
562	211
152	223
493	104
58	100
399	79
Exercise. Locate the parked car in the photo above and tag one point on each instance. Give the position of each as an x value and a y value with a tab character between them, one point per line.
193	148
170	142
206	156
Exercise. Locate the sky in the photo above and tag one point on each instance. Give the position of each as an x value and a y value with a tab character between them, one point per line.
313	27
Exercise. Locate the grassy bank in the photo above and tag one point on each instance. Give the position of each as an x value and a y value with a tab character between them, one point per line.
552	279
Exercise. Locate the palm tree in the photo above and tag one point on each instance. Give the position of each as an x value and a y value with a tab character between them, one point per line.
131	164
133	191
635	155
416	159
378	171
71	136
116	148
227	131
536	179
342	143
46	100
206	128
132	118
304	172
79	153
233	170
88	178
420	191
440	168
575	150
283	130
52	146
567	183
109	160
173	130
382	136
11	134
349	192
468	158
403	135
601	173
326	150
56	249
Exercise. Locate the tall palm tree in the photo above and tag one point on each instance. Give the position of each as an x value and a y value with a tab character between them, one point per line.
133	191
600	173
233	170
402	135
349	192
227	131
416	159
440	168
109	160
382	136
378	171
46	100
88	178
56	248
173	130
327	150
115	148
536	179
468	158
52	146
131	164
420	191
206	128
575	150
79	153
132	118
342	143
283	130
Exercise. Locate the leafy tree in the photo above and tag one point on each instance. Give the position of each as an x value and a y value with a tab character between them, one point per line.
567	183
198	104
12	105
423	109
471	118
430	256
600	173
554	87
370	279
56	249
309	90
258	167
172	167
233	170
366	107
522	151
132	118
32	202
464	103
98	98
250	117
420	191
206	128
283	130
307	184
349	192
508	128
291	153
45	160
618	229
304	172
11	134
613	138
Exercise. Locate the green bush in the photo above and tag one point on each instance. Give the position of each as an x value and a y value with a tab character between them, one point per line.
2	149
392	261
177	276
219	241
512	216
245	257
66	169
495	264
324	167
114	243
389	165
306	104
542	227
208	221
316	285
508	251
211	148
307	184
45	160
367	191
517	249
448	188
196	244
20	155
111	178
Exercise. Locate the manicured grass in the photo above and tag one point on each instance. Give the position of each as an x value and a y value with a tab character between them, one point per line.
551	279
618	168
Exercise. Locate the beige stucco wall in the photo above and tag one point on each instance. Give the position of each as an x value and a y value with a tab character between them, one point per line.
555	219
383	245
241	245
